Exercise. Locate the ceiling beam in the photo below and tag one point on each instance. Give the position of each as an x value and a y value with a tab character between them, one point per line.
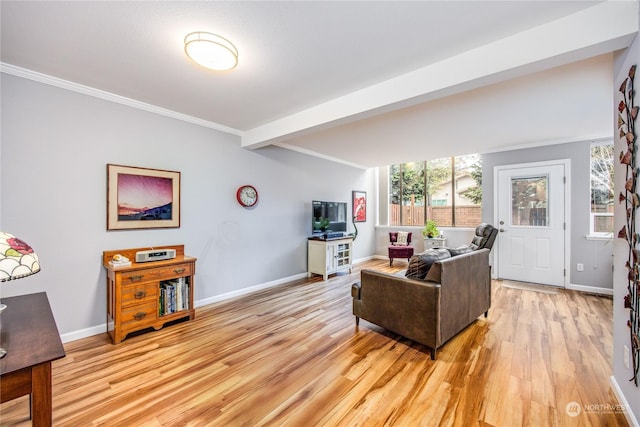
603	28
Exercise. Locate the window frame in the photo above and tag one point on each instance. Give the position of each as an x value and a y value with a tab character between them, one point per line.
592	215
427	201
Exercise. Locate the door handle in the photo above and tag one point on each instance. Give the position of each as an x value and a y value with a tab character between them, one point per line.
502	230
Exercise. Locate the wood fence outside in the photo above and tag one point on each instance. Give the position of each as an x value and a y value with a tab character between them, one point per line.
466	216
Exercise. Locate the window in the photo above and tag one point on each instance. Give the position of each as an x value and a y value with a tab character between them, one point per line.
407	198
440	192
447	190
529	197
601	215
468	190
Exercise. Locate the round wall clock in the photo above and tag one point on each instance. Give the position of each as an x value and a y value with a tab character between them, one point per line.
247	195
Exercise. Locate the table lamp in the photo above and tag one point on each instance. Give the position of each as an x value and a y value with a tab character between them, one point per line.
17	260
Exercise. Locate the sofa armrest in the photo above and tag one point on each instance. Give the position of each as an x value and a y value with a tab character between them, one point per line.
355	290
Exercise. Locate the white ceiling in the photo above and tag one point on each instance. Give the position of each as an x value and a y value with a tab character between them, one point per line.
365	83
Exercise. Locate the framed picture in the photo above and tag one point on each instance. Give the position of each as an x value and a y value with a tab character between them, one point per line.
142	198
359	203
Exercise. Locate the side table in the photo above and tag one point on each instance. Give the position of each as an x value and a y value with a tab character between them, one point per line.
30	336
434	242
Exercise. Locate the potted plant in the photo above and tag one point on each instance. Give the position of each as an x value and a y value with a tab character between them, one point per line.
430	230
321	223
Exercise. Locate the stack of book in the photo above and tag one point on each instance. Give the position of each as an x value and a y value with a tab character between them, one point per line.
174	296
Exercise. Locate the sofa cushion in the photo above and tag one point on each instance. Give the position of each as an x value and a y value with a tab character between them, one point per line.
459	251
420	264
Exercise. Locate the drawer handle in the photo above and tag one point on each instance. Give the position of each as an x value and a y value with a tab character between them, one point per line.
136	278
140	294
139	316
179	270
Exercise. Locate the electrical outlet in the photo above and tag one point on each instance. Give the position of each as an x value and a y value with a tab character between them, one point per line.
580	267
626	357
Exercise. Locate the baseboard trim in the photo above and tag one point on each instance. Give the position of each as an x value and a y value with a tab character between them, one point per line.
361	260
244	291
402	260
590	289
84	333
622	400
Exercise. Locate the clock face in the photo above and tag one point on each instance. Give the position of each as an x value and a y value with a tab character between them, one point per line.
247	195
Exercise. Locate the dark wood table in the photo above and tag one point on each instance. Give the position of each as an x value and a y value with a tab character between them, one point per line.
29	333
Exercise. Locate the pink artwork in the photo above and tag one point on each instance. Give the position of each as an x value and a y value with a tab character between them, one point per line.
142	198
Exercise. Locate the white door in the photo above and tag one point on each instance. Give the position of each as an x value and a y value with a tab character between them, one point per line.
531	223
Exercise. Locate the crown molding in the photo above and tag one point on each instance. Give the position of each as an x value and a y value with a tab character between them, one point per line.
593	139
107	96
318	155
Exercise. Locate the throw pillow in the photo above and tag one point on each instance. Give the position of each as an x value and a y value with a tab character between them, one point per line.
420	264
403	238
417	268
434	274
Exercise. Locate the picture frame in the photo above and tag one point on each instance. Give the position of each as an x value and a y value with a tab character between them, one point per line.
359	206
140	198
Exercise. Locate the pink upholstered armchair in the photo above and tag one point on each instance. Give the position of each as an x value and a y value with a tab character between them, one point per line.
399	249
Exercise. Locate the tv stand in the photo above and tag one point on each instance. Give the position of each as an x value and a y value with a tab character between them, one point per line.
334	235
327	256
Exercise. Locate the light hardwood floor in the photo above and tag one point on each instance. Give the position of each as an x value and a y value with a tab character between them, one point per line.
292	355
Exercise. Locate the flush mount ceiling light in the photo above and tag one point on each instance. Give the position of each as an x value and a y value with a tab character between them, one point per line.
211	51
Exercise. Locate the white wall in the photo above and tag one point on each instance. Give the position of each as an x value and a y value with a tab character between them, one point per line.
621	374
55	147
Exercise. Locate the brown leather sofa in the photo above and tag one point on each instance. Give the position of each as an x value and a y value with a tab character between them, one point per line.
455	292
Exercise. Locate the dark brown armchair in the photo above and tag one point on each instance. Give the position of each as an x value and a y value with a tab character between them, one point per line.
485	236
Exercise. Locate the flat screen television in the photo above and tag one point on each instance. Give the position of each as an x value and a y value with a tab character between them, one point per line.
328	217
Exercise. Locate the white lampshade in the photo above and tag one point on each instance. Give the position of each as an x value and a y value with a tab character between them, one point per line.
211	51
17	259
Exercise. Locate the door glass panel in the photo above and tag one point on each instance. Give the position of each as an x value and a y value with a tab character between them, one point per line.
529	196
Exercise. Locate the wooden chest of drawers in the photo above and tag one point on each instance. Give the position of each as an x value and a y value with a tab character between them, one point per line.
150	294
